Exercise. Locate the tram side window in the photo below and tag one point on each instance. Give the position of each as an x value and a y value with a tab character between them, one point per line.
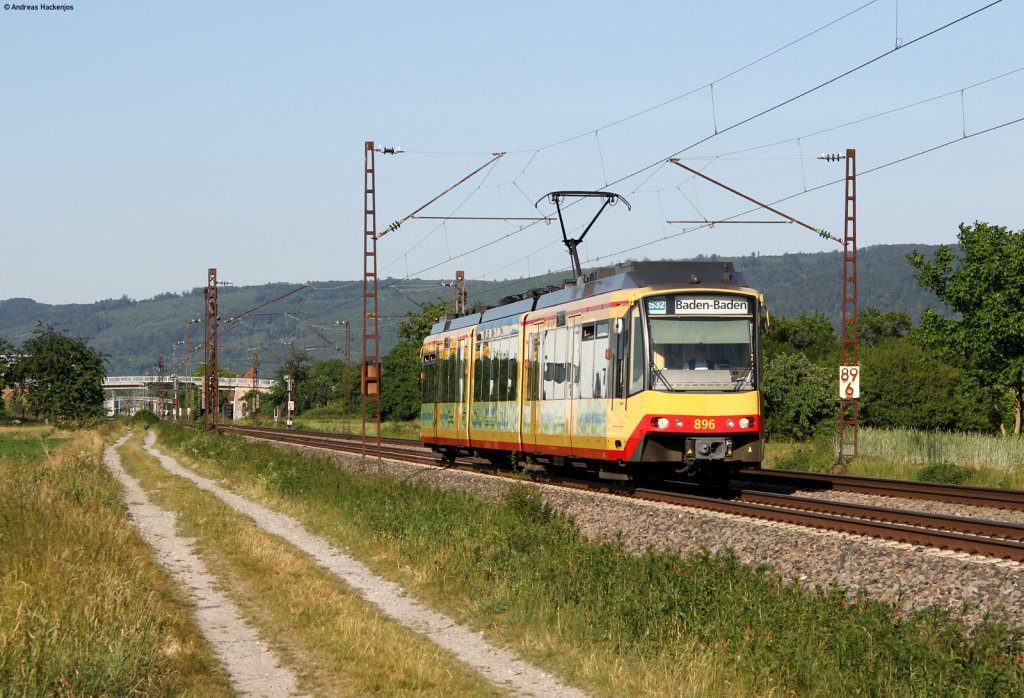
451	386
594	361
586	374
449	372
460	396
534	373
478	372
561	363
512	379
602	356
620	358
442	378
556	348
548	366
495	369
429	384
636	353
502	373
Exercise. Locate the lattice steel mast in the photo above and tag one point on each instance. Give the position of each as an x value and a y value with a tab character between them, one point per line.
211	372
371	330
849	399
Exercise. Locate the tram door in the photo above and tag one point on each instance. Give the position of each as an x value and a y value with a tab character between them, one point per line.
530	419
572	388
465	345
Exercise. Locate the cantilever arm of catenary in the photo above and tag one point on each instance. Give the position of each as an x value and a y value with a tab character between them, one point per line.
819	231
396	224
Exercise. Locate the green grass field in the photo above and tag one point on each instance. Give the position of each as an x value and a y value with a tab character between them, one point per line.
606	620
84	610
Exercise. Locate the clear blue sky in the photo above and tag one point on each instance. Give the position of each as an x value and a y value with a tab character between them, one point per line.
141	143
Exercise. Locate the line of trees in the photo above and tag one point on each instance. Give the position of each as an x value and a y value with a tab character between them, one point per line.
963	373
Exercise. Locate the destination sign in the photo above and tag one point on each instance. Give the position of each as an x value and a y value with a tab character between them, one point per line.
710	305
657	306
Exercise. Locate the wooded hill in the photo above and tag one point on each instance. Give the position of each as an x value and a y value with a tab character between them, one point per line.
133	334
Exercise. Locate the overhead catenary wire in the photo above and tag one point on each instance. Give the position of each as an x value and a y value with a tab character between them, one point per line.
708	224
809	91
534	152
863	119
718	131
737	124
705	86
860	174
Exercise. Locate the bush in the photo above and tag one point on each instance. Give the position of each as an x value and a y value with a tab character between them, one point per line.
947	473
799	397
144	418
809	458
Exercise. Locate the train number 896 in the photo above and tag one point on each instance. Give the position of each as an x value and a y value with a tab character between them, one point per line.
701	424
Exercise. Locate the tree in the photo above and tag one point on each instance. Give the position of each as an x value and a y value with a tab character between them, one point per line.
400	369
63	375
902	385
799	397
325	384
297	367
984	286
874	326
6	374
811	335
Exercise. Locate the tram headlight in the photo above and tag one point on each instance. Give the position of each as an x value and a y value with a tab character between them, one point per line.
745	423
660	422
729	423
679	423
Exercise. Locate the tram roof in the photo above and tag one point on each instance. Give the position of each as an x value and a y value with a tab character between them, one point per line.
647	274
607	280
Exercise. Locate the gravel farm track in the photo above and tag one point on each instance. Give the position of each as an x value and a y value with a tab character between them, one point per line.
254	670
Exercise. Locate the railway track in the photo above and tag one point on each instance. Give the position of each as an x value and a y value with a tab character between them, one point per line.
906	489
988	537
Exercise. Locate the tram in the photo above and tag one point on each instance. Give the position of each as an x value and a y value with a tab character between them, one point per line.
647	370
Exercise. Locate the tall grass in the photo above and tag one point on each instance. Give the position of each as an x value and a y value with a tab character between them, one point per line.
314	420
610	621
923	447
83	608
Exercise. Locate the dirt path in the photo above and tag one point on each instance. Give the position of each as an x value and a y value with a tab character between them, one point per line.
499	666
252	667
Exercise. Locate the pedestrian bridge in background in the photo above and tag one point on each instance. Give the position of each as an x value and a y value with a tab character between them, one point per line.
114	382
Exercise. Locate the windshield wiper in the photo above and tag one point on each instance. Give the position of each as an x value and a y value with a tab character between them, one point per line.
743	379
655	371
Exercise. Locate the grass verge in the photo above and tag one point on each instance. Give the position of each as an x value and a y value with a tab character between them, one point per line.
84	610
334	641
608	621
904	454
315	420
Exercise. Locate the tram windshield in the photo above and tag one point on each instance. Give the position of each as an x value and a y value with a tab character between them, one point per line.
701	353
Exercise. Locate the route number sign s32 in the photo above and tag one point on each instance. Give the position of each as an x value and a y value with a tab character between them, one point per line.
849	382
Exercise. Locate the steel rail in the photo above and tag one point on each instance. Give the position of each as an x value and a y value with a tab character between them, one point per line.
958	524
910	489
902	533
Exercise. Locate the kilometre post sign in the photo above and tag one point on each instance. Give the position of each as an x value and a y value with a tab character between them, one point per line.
849	382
